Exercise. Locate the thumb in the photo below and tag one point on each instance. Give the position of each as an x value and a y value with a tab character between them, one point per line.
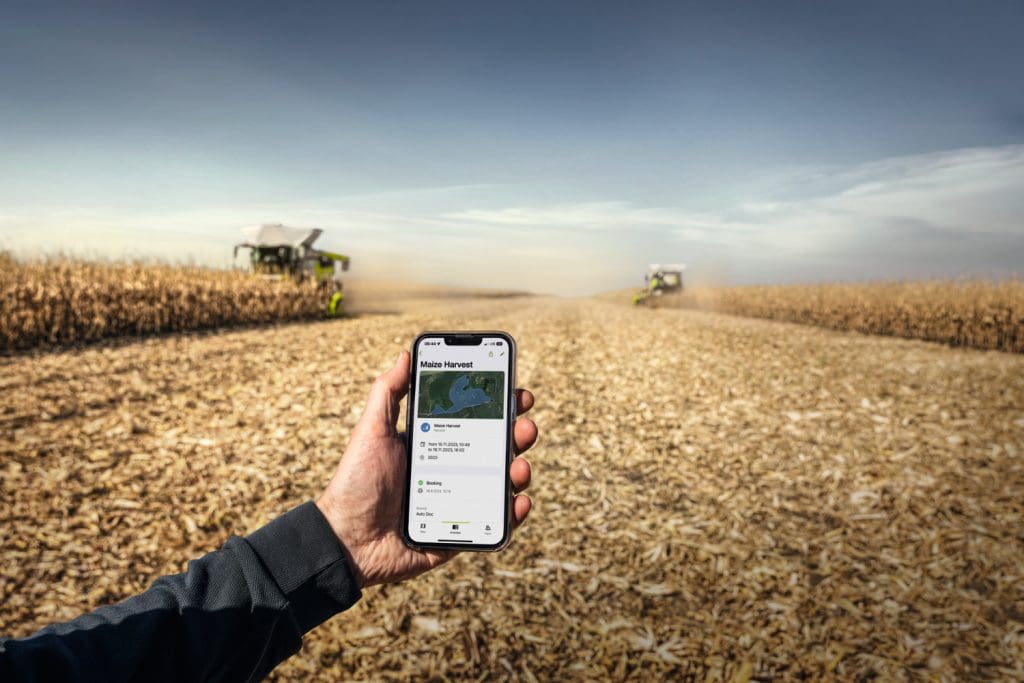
381	412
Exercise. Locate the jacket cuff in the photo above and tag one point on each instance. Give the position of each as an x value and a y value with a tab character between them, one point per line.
301	552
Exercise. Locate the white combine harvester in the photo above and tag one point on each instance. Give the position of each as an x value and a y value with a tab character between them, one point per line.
279	252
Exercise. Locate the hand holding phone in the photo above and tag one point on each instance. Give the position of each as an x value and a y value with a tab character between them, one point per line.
461	413
363	501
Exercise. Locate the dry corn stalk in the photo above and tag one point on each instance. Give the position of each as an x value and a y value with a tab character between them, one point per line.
974	314
61	301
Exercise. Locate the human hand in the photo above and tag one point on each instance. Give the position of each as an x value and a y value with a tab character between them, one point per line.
363	501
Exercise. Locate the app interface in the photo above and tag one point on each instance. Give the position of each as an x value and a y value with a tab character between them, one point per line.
459	444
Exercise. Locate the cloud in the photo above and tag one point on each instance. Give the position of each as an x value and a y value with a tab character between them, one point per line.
941	214
582	216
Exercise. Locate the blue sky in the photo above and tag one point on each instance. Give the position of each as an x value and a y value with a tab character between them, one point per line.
551	146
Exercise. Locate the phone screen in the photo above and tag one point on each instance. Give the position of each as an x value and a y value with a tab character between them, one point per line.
459	429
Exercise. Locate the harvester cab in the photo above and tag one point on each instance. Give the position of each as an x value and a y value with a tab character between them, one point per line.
279	252
660	280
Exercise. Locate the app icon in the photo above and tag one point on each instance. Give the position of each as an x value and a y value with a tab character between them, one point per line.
425	427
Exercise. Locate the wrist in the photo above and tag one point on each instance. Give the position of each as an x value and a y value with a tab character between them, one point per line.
349	543
301	554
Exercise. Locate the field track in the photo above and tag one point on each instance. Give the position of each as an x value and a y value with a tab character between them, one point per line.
714	495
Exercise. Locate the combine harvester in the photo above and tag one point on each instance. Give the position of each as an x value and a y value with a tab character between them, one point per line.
278	252
660	281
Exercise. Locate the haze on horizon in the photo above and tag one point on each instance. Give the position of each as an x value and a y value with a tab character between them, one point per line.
556	147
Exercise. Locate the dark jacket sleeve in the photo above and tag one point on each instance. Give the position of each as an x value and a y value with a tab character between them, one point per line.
233	615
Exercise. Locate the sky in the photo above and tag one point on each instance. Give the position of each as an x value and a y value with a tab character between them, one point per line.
556	147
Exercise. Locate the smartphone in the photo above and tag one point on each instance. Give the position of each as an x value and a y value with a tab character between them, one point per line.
461	411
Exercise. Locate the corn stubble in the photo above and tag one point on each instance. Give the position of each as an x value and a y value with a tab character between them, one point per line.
62	302
974	314
716	497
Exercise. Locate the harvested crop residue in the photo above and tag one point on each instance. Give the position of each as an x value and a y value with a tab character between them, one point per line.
714	495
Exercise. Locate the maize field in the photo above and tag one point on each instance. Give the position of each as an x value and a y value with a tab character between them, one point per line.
975	314
64	302
715	497
60	302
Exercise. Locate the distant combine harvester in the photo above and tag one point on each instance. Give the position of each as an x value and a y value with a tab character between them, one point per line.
279	252
660	280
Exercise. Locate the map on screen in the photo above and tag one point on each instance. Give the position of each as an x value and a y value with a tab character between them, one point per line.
461	395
